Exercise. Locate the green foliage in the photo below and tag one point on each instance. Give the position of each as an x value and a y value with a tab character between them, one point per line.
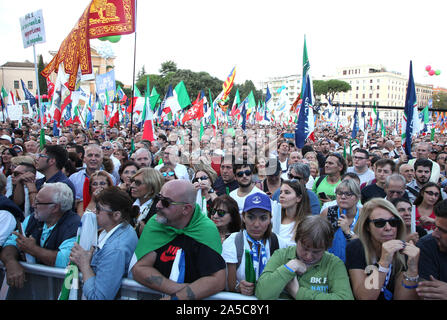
440	100
330	88
42	81
167	67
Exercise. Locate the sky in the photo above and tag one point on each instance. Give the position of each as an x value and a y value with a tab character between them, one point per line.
261	38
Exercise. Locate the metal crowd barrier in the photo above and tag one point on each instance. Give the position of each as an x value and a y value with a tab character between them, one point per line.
45	283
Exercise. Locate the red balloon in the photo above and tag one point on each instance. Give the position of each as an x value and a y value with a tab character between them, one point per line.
431	72
428	68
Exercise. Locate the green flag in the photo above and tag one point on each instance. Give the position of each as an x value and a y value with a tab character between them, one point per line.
432	134
182	95
4	93
155	97
251	102
201	131
426	115
306	67
42	138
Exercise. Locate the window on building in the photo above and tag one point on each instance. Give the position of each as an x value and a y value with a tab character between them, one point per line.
30	85
344	72
377	96
378	87
16	84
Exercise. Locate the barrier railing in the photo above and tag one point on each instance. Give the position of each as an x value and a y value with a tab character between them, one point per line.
44	283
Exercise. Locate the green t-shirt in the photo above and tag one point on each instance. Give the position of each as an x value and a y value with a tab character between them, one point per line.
325	280
325	187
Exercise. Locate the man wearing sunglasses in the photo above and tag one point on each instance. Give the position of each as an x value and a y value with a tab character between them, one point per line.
433	258
48	235
244	177
179	232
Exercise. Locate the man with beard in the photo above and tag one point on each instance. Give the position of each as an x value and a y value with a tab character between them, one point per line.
180	232
244	177
433	258
423	150
422	173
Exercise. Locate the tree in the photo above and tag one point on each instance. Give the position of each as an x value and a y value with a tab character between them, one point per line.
42	81
330	88
440	100
167	67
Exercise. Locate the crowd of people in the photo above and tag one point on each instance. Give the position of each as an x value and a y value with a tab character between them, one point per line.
193	213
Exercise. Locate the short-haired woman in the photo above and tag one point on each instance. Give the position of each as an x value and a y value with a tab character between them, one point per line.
343	216
104	267
381	265
306	271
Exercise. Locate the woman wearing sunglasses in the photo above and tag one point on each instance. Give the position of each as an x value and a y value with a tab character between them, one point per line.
225	214
99	180
343	216
168	173
203	180
104	266
145	184
381	265
429	196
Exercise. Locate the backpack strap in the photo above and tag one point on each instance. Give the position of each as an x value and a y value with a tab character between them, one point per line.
274	244
239	242
320	180
413	191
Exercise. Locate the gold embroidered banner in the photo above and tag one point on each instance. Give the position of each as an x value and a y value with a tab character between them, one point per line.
100	19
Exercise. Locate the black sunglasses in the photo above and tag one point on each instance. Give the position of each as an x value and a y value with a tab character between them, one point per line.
166	202
292	177
219	212
240	174
199	178
380	223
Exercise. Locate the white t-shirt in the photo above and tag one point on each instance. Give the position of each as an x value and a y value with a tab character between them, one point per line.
365	177
229	253
7	225
241	200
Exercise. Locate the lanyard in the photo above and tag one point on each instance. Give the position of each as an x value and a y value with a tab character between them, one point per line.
387	293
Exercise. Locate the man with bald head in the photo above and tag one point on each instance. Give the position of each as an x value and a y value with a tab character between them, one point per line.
423	150
179	252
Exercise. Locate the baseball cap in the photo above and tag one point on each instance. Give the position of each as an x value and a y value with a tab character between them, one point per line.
6	137
257	200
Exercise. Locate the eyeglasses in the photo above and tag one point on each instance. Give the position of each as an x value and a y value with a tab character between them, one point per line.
380	223
106	148
199	178
240	174
137	182
101	183
219	212
170	173
99	209
43	156
166	202
292	177
346	194
43	203
431	193
400	192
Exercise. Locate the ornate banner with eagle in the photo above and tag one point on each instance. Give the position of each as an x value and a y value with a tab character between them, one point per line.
102	18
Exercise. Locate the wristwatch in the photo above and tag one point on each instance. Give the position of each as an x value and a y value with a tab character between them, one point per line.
349	235
382	269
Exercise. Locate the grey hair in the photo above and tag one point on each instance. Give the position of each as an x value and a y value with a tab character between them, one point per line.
301	169
61	195
395	177
351	185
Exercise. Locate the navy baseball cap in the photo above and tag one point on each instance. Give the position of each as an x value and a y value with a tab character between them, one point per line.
257	200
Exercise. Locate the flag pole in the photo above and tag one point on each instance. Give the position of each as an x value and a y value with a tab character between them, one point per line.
133	77
42	130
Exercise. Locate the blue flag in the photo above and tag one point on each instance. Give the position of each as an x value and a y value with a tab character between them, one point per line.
305	125
28	95
55	129
410	113
244	113
355	128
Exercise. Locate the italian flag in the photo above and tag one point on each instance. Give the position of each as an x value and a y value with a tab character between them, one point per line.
148	117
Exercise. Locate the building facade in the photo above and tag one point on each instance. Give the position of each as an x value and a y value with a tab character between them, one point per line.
12	72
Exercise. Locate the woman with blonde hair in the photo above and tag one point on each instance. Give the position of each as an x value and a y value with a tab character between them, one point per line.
381	265
145	185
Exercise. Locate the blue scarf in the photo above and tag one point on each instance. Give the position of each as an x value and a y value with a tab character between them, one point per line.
339	243
261	259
